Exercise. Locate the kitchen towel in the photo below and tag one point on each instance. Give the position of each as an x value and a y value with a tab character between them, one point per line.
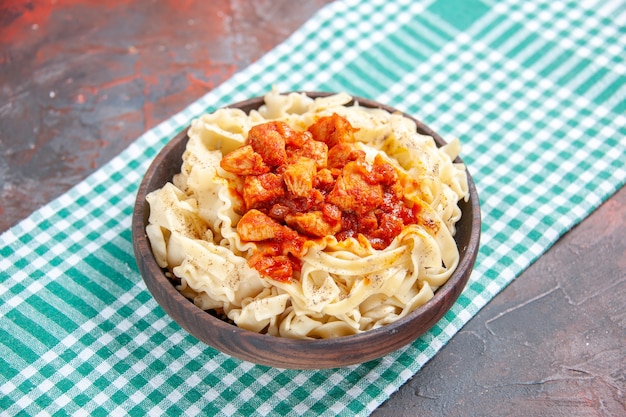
536	92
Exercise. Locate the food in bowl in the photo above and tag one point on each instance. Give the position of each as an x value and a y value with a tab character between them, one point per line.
309	218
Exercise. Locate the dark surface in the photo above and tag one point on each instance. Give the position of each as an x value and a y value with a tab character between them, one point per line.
284	352
553	343
80	80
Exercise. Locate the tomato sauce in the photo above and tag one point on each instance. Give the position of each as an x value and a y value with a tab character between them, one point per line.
305	185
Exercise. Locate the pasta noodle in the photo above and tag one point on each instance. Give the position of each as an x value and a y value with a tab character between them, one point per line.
309	218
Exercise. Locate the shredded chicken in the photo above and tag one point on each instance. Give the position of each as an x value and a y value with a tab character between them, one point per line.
300	185
313	223
342	153
353	191
260	189
332	130
315	150
244	161
256	226
299	176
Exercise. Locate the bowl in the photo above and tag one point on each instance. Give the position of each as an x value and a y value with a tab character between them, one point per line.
285	352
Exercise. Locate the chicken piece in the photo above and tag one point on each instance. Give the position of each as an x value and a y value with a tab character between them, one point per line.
389	227
342	153
383	172
332	130
269	140
323	180
315	150
296	138
314	199
255	226
353	191
299	177
277	267
291	136
244	161
261	189
313	223
331	213
367	223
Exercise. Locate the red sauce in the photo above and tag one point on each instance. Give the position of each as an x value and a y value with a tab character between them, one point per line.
301	186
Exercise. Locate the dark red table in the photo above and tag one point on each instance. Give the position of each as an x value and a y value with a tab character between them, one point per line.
80	80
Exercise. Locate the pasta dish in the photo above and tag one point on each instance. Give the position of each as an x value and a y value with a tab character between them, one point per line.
309	218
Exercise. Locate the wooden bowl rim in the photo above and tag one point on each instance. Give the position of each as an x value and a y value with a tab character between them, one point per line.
286	352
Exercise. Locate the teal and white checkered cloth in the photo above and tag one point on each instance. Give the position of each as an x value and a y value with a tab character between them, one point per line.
535	90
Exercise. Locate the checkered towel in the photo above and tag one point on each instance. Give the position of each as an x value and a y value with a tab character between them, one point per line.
535	90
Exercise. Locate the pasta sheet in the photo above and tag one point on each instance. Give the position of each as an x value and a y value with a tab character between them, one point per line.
344	287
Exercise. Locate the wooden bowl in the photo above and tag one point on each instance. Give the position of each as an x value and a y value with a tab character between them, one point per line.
284	352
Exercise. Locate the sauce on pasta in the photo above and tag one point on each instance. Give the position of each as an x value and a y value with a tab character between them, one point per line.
301	185
309	218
